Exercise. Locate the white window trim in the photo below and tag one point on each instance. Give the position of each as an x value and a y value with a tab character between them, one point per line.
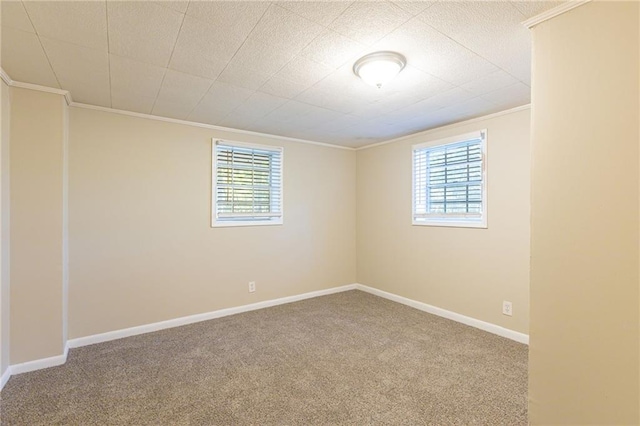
452	222
215	223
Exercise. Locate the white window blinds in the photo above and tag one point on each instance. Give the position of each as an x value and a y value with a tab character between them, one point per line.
449	182
247	186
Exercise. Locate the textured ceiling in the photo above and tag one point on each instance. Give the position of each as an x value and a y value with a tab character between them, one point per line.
282	68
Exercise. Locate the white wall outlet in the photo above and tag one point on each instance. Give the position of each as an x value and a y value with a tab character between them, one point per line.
507	308
252	286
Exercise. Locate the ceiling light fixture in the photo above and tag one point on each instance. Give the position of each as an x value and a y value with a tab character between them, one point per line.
379	68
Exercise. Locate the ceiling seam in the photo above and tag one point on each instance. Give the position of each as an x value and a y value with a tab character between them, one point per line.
451	125
166	69
41	45
297	55
361	112
227	65
412	16
470	50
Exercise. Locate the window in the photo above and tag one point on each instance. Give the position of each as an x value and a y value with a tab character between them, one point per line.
247	184
449	182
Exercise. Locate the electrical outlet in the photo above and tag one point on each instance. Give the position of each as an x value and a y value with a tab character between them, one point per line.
252	286
507	308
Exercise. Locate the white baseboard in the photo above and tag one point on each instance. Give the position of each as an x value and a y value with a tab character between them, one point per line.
39	364
482	325
148	328
5	377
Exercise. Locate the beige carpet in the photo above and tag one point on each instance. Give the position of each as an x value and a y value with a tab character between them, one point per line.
345	359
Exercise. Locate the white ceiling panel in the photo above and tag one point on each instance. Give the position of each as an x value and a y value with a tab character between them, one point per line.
278	86
135	78
456	112
228	94
78	22
24	59
415	83
15	16
178	6
172	109
511	96
247	78
290	111
261	56
366	133
315	121
385	106
441	100
209	113
218	102
492	29
322	13
239	121
368	22
313	116
237	16
132	102
414	7
143	31
332	49
284	30
304	71
204	49
272	127
465	110
281	67
533	8
185	90
83	71
433	52
343	121
328	99
343	82
490	82
258	105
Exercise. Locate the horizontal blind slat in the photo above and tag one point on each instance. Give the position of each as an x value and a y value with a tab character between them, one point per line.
248	182
448	180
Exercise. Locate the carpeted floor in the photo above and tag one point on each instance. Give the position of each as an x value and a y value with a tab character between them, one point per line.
344	359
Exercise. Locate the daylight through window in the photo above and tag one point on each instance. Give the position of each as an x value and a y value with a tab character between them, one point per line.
449	182
247	187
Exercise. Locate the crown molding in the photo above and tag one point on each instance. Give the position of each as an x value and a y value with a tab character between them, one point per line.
5	77
13	83
205	126
71	103
551	13
64	93
449	126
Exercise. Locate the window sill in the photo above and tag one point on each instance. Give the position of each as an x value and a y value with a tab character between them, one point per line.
245	223
451	224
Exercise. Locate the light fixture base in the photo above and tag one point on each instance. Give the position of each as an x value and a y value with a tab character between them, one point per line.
378	68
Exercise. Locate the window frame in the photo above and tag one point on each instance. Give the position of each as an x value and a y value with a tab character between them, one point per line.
456	222
215	222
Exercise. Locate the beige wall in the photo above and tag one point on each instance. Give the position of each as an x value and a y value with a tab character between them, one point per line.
464	270
143	250
584	355
37	231
5	106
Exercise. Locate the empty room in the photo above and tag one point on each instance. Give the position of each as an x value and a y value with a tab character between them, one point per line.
320	212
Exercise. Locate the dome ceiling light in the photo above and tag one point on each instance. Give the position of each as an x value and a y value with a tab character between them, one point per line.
379	68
